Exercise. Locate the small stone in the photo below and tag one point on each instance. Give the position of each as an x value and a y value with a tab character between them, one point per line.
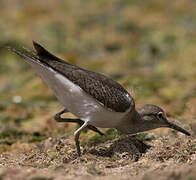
17	99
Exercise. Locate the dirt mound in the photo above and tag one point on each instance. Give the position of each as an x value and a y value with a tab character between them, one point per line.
128	147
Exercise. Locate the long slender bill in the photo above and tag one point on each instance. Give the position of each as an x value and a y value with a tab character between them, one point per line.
178	128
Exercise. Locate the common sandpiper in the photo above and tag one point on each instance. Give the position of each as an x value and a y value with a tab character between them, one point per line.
95	99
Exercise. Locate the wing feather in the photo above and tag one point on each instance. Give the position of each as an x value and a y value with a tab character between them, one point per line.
105	90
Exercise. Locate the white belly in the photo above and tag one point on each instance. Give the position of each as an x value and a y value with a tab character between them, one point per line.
77	101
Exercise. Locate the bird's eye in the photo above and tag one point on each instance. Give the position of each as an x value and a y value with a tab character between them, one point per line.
160	115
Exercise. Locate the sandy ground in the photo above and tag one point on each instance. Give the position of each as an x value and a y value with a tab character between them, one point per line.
127	157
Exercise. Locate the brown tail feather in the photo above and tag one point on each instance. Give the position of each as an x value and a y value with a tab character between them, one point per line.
44	54
23	54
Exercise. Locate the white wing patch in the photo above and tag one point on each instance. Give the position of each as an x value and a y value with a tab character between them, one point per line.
68	84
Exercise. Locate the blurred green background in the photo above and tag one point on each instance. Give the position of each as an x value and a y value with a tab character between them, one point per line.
148	46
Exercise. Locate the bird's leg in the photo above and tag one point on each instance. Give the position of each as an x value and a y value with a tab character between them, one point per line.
93	128
77	134
58	118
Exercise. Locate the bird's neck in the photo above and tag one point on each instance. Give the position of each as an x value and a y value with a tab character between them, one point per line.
129	123
133	123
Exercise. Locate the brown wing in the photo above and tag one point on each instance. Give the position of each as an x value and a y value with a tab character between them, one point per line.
108	92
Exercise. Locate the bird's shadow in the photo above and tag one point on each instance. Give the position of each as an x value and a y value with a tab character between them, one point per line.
128	146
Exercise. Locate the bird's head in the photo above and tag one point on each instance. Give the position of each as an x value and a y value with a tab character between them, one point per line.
154	117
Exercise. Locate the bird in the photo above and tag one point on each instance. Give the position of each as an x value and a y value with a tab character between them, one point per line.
96	100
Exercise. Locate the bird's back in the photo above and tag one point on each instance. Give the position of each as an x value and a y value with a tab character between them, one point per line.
107	91
89	95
